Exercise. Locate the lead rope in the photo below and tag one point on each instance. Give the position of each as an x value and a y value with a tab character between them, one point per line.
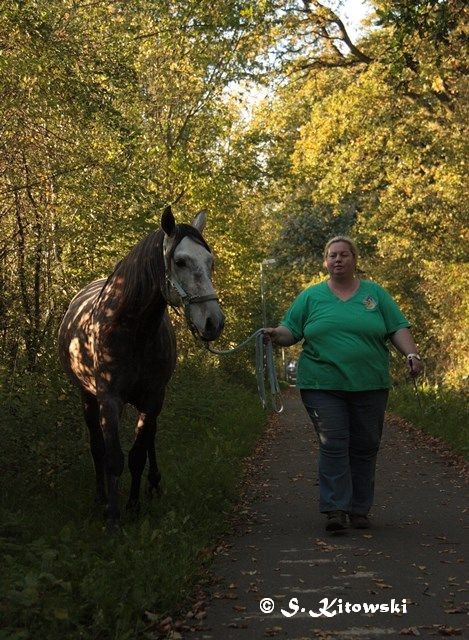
264	361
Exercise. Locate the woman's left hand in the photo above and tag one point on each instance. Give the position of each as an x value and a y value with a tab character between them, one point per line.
415	365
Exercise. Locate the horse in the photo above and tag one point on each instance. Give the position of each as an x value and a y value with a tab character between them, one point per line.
117	345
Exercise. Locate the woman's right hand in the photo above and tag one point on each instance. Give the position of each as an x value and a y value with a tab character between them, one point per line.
269	334
279	335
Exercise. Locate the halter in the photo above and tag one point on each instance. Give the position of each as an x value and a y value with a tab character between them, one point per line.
186	299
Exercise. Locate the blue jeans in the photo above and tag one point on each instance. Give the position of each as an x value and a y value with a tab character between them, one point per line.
349	426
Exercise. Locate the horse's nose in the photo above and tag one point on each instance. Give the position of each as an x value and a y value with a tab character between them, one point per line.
214	326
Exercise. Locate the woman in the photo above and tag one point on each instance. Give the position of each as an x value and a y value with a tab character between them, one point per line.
343	376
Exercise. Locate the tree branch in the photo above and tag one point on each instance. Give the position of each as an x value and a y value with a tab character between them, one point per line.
333	18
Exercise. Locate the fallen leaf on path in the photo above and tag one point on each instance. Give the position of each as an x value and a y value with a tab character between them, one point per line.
449	631
324	546
273	631
409	631
198	605
382	585
460	609
300	476
152	617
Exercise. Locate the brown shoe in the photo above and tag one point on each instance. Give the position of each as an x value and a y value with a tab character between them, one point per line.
359	522
336	521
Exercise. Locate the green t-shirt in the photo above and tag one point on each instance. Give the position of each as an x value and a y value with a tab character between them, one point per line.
344	344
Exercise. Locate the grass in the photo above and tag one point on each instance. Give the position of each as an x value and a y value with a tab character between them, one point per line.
443	412
62	574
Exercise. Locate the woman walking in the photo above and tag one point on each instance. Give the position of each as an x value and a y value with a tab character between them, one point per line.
343	377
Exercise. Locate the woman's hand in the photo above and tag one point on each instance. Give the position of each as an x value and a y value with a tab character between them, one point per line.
279	335
403	341
415	364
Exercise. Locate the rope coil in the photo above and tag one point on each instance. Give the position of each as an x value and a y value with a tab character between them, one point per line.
265	367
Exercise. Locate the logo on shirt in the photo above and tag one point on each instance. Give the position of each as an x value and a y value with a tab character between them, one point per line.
369	302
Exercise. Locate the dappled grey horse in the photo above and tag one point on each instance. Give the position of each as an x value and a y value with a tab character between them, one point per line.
116	343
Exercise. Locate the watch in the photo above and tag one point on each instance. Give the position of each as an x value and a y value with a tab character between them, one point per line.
413	355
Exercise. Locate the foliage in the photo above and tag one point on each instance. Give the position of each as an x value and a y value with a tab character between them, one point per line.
109	110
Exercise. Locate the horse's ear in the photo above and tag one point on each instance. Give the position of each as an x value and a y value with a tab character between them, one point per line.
168	223
199	221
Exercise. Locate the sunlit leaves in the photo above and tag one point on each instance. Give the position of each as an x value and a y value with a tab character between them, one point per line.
378	150
109	110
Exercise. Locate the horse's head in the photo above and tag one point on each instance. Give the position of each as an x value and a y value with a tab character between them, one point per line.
189	264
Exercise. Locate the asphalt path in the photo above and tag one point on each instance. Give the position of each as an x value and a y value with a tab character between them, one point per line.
412	560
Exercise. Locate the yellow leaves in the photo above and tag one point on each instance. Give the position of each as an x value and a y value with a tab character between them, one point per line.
247	12
438	84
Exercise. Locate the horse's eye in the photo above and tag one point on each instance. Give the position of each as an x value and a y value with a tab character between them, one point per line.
180	262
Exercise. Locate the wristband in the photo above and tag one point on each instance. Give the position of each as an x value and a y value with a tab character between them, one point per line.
413	355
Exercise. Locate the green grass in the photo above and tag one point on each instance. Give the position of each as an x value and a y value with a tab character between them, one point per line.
443	412
62	575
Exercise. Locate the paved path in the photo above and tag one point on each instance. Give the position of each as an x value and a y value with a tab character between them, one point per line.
415	550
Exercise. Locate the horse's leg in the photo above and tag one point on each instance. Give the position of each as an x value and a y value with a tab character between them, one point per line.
144	433
91	413
154	476
110	409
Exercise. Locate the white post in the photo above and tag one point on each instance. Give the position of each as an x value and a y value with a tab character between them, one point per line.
263	305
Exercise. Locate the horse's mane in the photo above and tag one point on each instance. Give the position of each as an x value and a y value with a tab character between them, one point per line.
139	276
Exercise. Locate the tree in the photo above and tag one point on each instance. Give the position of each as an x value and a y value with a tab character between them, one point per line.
379	149
109	111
